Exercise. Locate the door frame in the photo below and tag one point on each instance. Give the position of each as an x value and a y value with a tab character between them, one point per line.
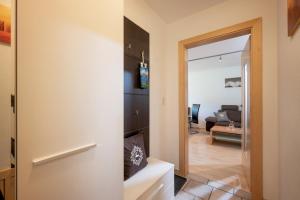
253	27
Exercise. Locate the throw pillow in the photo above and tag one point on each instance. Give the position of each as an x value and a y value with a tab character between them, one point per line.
222	117
135	157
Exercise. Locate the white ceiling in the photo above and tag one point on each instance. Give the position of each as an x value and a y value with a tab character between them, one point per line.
216	48
231	60
172	10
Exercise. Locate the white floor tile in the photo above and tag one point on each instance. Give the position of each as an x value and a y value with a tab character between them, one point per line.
184	196
198	189
221	195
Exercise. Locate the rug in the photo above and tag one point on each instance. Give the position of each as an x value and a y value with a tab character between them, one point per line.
179	182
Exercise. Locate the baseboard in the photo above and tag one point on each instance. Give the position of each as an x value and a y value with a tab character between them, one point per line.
200	126
177	172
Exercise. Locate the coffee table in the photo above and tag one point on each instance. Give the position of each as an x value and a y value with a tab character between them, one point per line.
225	133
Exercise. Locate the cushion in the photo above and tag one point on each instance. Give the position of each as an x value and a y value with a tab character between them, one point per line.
234	115
135	157
221	117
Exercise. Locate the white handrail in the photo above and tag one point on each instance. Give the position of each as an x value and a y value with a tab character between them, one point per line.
56	156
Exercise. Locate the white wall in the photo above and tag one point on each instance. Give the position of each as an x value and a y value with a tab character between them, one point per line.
289	107
222	15
70	93
141	14
206	86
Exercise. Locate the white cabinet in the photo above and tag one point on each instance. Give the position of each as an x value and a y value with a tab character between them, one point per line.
154	182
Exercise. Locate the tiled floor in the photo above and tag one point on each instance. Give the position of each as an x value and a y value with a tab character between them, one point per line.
209	190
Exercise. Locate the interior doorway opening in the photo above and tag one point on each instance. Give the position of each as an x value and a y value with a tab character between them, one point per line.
218	94
251	74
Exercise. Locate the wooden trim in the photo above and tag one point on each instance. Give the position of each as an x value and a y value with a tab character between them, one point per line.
293	16
256	108
253	27
183	113
6	177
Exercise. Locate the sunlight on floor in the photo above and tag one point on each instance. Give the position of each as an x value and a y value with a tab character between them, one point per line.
219	162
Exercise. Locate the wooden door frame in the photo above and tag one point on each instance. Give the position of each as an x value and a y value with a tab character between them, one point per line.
253	27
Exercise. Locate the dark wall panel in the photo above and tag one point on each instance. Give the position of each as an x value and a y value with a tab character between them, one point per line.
136	40
131	76
136	100
136	112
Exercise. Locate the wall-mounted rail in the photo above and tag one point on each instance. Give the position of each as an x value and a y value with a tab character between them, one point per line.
60	155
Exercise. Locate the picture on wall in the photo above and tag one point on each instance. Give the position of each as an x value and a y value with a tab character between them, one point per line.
233	82
144	77
5	22
293	16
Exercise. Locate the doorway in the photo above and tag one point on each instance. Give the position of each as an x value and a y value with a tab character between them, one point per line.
254	74
216	139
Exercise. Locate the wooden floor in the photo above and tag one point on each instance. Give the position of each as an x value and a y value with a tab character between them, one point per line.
219	162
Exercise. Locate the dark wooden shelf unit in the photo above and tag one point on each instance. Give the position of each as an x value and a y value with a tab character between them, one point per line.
136	100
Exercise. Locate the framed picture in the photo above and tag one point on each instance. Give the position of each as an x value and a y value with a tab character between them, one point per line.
144	77
293	16
233	82
5	23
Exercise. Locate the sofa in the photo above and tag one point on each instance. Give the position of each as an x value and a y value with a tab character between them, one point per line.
233	113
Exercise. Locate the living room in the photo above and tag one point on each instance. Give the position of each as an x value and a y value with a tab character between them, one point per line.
217	100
